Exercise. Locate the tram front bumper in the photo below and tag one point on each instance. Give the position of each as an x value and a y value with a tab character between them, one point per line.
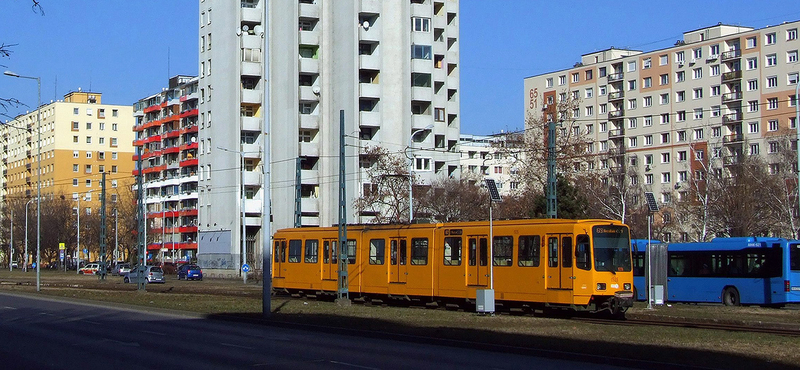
624	298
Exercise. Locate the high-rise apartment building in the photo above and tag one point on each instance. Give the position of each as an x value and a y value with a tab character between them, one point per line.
282	73
498	157
81	138
166	138
720	93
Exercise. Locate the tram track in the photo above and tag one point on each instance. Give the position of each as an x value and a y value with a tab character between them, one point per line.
687	324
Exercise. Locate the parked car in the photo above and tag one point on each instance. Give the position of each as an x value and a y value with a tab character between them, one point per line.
90	269
190	272
152	274
121	269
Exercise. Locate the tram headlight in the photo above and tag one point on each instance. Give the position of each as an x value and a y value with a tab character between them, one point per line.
626	286
601	286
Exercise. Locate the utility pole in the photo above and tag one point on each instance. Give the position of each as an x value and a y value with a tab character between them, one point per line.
552	181
102	271
343	296
140	248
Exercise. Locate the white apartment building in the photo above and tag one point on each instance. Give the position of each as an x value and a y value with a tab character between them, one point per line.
492	157
282	72
718	94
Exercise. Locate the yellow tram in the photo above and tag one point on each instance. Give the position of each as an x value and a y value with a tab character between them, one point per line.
536	264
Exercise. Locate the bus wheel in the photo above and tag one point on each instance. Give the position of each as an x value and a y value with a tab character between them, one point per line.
730	297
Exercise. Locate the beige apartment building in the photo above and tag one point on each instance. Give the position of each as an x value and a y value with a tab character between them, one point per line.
496	157
720	93
80	139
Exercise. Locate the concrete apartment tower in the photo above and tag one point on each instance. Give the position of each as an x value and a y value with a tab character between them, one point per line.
282	72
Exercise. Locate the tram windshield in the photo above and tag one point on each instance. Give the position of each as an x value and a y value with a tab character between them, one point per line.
612	248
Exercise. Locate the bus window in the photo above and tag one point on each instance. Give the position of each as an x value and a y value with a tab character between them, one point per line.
552	245
295	251
377	251
794	257
678	265
566	251
312	249
502	250
452	251
583	253
528	251
351	251
419	251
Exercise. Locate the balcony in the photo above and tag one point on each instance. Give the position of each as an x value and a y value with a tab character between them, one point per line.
731	76
369	119
616	114
251	123
371	34
251	15
616	152
614	77
421	93
733	96
372	62
251	69
252	178
369	90
728	55
617	95
307	94
309	65
421	121
732	138
729	160
309	150
251	96
252	206
620	132
309	121
732	117
309	10
309	38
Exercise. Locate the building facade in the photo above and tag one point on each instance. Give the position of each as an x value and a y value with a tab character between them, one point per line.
664	117
284	72
496	156
81	138
166	139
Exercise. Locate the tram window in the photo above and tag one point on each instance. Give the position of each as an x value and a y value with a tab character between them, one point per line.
452	251
473	252
484	252
377	251
295	250
528	251
334	251
419	251
566	251
502	250
393	252
312	250
351	251
280	251
794	257
326	252
403	251
552	246
583	252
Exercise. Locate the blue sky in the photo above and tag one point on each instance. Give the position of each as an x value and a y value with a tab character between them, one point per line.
122	48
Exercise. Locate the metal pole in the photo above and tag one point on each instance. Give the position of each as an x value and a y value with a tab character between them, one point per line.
11	244
244	225
116	235
649	265
25	263
797	128
552	181
39	186
78	251
491	247
266	210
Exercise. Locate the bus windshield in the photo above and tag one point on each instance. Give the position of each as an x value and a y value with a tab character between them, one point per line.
612	248
794	257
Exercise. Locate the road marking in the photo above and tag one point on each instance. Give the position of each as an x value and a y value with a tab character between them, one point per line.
154	332
235	346
353	365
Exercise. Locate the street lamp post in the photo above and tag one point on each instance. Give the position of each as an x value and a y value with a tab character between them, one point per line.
241	205
411	173
38	174
797	128
11	244
25	262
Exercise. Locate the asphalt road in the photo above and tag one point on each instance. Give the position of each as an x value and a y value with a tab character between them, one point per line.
45	333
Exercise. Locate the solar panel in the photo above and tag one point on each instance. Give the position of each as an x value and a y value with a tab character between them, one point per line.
493	193
651	202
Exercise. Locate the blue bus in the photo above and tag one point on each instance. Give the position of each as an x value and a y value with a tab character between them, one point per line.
733	271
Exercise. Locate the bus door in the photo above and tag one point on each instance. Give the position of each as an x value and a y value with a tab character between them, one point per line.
280	257
478	261
330	260
398	261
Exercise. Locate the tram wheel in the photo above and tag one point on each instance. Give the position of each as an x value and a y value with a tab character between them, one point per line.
730	297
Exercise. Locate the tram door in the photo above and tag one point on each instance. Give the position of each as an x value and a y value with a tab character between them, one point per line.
330	261
398	261
279	255
559	262
478	261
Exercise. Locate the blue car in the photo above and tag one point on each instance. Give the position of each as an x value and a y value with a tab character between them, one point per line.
190	272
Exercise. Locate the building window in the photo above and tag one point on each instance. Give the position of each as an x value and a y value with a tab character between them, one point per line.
664	79
75	139
715	90
588	75
665	178
698	93
422	164
716	131
665	138
576	77
681	116
752	127
664	98
631	103
421	24
562	80
697	73
751	42
589	92
648	140
680	57
698	134
680	76
773	147
772	103
647	82
632	142
754	150
752	63
715	111
698	113
663	60
792	78
752	106
648	179
631	85
632	66
772	81
88	140
752	85
772	60
113	142
680	96
647	101
632	122
664	118
791	34
664	157
648	121
74	168
769	39
646	63
714	70
682	156
549	82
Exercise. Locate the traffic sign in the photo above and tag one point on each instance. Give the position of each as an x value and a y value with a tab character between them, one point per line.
61	246
245	268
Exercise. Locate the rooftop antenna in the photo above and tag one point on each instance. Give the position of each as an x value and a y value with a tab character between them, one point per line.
168	62
55	90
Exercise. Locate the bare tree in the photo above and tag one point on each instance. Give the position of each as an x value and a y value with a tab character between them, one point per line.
385	198
5	52
452	200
